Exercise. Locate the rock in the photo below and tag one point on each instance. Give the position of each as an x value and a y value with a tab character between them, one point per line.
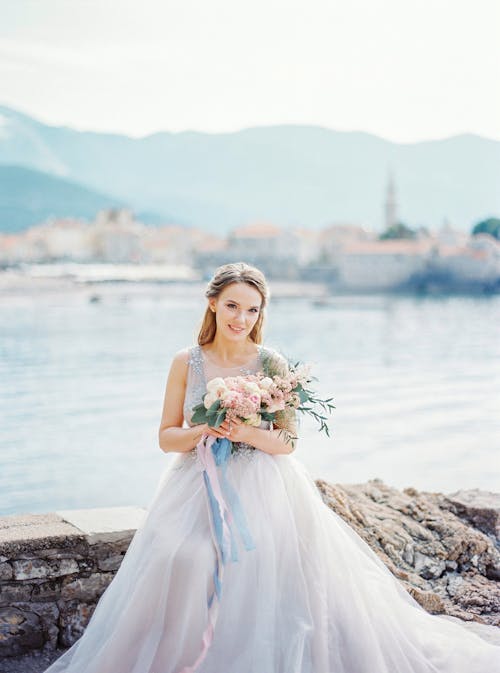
73	620
441	548
110	563
86	588
27	569
19	631
479	508
12	593
6	571
427	566
35	662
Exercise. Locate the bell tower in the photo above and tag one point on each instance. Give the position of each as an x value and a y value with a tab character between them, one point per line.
390	203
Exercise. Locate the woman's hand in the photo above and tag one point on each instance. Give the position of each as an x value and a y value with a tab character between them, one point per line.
235	430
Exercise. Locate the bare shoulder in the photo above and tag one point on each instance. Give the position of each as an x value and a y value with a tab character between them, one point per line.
180	363
182	356
172	414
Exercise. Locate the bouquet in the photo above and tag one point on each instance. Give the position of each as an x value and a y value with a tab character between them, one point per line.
274	395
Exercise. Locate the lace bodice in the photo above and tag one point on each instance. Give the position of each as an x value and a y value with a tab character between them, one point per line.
201	370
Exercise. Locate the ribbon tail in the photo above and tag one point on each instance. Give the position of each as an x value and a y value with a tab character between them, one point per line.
212	453
218	505
217	530
236	508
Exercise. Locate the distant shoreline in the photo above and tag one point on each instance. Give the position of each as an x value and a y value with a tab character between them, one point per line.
16	282
108	278
97	279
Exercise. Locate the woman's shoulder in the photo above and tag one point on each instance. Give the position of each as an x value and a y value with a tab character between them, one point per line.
183	360
185	356
272	350
274	358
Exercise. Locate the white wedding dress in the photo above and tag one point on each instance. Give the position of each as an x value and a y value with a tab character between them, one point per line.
310	597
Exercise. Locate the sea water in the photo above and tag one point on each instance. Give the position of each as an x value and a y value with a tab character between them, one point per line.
415	382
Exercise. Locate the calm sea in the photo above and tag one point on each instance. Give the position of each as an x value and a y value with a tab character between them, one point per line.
416	383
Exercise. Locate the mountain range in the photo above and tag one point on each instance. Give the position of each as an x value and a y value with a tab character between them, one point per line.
290	175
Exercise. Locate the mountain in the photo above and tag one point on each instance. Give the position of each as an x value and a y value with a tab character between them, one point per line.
28	197
291	175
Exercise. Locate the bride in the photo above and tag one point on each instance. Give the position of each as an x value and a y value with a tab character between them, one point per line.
304	595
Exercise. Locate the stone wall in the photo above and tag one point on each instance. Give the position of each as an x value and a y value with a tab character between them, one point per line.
444	549
53	569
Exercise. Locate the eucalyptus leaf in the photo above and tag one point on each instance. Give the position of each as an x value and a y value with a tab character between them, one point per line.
199	415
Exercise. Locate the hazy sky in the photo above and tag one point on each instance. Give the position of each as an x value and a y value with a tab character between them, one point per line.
404	70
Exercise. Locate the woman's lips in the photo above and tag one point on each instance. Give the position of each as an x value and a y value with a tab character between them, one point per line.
236	330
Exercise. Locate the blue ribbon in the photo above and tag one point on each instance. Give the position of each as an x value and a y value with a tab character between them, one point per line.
221	450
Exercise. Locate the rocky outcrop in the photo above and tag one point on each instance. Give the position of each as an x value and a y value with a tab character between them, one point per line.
443	548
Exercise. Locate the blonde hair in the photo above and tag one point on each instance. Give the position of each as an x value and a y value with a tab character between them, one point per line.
236	272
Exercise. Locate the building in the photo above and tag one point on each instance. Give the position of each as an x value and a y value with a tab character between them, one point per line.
335	237
117	237
391	206
470	265
274	250
381	265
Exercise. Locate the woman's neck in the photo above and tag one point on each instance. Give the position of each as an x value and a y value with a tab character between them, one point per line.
227	353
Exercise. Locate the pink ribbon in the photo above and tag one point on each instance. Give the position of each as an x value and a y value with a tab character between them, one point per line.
221	534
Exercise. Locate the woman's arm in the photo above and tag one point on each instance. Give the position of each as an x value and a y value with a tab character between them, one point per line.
171	435
180	440
270	441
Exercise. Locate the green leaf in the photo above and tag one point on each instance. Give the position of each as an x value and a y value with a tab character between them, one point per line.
214	406
219	418
303	395
199	414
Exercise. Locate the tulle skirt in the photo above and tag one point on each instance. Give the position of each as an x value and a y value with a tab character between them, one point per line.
310	597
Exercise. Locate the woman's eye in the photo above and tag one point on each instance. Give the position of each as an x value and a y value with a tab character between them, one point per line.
254	310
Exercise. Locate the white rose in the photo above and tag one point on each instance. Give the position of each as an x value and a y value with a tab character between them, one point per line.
209	399
252	387
217	385
266	383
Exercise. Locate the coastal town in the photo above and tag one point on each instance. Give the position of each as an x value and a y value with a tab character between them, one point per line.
345	256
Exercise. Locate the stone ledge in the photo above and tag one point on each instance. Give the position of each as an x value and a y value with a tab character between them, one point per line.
106	524
24	532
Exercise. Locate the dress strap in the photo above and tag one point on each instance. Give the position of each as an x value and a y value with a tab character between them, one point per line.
195	359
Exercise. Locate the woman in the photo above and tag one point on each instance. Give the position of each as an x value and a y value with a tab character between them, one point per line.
307	595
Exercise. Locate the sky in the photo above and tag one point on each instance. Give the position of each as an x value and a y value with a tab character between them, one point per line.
404	70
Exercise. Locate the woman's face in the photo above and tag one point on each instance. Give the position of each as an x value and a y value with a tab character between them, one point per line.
237	309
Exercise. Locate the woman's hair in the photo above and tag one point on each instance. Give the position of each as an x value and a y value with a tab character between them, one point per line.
237	272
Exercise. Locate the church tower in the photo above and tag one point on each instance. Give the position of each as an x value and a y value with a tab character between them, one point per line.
390	203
